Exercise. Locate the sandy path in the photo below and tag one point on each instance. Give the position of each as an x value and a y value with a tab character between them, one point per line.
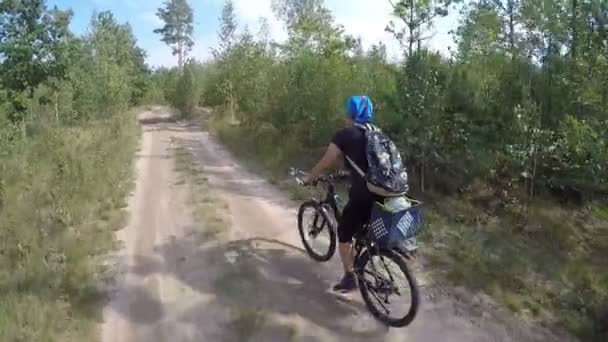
254	283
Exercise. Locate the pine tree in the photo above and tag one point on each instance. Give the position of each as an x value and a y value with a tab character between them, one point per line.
178	29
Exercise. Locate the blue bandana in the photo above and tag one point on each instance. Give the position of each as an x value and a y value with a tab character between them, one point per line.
360	109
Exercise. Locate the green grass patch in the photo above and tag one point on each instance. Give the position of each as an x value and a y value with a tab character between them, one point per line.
547	269
62	196
260	148
237	284
208	209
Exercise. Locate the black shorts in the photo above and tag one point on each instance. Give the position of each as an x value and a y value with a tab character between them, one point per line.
356	213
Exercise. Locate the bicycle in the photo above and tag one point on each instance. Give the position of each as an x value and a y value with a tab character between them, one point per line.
376	285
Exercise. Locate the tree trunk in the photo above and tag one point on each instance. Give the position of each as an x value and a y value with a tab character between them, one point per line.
573	29
180	55
511	9
534	169
422	185
56	105
411	27
231	104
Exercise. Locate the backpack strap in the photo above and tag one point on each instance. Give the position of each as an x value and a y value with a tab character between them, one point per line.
367	127
355	166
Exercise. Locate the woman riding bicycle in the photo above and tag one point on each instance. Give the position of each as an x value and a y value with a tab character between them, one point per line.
350	142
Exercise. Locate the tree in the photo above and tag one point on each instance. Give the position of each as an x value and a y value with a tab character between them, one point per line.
478	33
109	76
293	12
226	34
31	43
311	27
178	29
418	16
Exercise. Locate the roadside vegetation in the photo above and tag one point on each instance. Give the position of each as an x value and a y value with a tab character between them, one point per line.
506	137
67	139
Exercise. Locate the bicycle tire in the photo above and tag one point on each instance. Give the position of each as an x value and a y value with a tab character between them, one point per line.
327	224
413	287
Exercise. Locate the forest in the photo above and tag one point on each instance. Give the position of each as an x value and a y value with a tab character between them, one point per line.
506	140
505	137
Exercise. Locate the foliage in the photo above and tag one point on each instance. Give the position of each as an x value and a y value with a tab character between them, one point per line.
417	17
111	74
32	42
187	95
227	30
64	167
177	32
515	116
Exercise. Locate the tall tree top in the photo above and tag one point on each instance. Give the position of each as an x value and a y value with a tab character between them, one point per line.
178	30
228	26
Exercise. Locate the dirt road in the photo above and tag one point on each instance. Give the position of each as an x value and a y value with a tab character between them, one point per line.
177	282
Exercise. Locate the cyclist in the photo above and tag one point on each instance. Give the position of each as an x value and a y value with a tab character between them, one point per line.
351	142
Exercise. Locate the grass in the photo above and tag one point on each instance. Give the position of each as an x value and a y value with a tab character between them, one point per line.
545	262
207	208
238	284
62	195
545	268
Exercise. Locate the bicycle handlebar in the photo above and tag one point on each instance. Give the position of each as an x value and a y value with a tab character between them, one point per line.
336	176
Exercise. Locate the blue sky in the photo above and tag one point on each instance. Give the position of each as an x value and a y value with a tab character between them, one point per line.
364	18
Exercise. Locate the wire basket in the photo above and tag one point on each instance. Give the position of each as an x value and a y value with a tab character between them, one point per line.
388	229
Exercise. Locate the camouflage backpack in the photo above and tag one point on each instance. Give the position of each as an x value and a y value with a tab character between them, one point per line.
386	174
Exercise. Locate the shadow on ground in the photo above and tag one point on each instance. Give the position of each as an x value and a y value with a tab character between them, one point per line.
257	280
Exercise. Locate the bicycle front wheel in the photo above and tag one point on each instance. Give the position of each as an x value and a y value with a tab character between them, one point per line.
388	288
317	231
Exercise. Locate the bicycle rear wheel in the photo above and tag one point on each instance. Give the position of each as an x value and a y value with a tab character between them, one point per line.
385	279
317	231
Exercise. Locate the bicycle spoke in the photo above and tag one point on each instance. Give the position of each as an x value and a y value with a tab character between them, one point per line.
383	280
387	270
378	300
316	232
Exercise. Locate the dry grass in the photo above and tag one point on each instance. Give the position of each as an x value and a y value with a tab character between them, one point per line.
62	196
208	209
546	268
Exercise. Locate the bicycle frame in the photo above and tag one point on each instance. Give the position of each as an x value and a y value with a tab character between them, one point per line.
331	200
376	279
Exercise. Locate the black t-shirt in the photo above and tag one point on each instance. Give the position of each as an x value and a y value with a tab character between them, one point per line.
351	141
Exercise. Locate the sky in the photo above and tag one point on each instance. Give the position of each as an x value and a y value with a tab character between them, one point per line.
366	19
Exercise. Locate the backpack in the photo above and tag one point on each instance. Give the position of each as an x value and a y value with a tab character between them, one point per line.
386	175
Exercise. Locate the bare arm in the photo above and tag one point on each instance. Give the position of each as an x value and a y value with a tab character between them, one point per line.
330	159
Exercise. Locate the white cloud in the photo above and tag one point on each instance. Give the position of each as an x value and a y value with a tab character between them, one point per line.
249	12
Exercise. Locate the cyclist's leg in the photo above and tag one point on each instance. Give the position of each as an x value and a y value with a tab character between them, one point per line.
346	231
355	214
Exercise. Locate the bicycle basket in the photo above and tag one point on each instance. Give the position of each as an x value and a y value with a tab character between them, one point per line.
388	229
